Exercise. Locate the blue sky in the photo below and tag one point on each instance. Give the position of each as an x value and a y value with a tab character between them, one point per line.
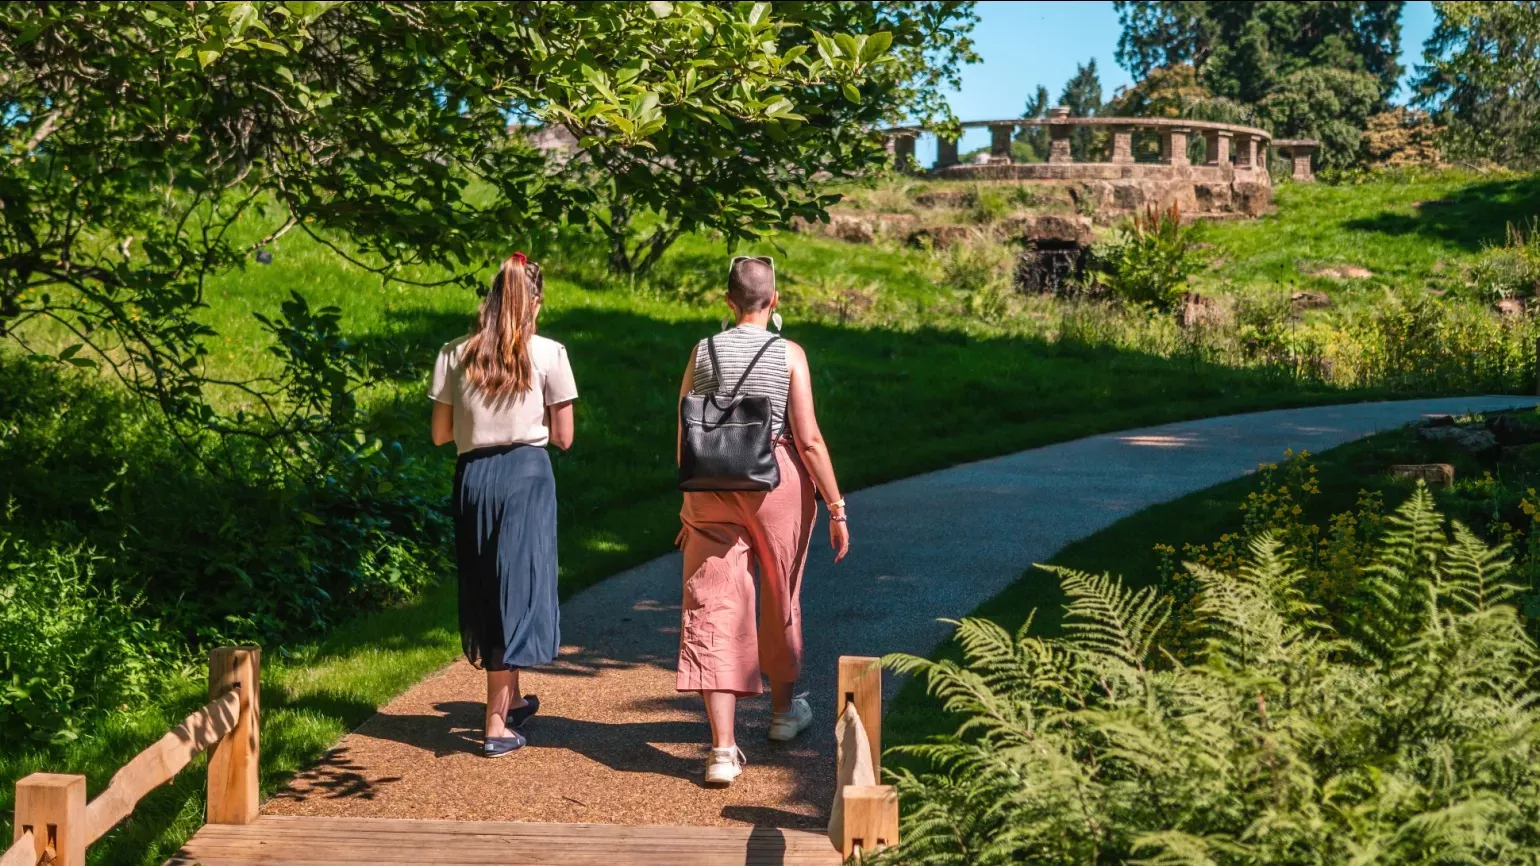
1024	44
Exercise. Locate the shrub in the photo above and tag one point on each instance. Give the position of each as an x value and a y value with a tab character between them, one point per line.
987	205
1151	259
1408	740
1511	270
979	271
69	647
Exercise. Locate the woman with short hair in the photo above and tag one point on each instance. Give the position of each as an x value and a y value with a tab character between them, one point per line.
501	394
723	652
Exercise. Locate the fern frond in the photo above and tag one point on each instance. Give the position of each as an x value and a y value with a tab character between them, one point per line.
1105	619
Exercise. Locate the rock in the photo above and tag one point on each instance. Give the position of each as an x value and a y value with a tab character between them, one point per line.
1198	310
854	229
1252	199
1342	272
1511	431
939	237
1212	197
1432	474
1070	228
1474	440
1300	301
1438	421
1510	306
944	198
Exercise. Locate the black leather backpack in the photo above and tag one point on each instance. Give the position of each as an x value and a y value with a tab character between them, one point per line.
725	443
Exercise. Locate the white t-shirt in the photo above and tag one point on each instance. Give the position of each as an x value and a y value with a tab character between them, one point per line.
519	419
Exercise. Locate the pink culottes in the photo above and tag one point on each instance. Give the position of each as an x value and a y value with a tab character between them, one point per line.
727	534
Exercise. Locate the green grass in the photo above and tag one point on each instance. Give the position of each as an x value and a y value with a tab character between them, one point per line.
1413	233
1127	548
920	389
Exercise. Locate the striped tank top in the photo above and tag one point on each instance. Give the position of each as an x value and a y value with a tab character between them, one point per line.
736	347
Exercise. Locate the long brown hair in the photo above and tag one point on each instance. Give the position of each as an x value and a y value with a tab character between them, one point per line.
497	354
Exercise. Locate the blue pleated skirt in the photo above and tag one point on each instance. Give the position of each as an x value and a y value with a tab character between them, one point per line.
505	546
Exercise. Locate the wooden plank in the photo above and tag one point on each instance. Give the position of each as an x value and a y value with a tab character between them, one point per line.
157	764
300	841
52	806
860	680
23	852
234	797
871	819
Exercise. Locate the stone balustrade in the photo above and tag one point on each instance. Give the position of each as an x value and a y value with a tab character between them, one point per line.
1234	156
1226	144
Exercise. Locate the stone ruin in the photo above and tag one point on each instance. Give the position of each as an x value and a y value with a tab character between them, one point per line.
1231	180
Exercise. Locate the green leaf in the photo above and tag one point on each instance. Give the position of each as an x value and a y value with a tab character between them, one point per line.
71	351
311	519
207	56
851	92
876	45
757	14
660	8
848	45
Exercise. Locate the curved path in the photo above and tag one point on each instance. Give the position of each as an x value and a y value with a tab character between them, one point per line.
617	745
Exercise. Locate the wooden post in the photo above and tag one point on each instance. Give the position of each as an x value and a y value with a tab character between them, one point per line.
871	819
233	767
860	680
53	807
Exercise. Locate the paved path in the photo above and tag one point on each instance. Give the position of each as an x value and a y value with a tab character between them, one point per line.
617	745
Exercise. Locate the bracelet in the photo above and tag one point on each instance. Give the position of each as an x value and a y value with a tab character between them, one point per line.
839	504
838	518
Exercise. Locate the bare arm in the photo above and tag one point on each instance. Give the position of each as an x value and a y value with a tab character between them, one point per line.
559	420
810	444
443	423
684	391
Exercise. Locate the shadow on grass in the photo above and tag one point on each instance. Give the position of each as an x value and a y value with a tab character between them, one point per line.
892	404
1473	217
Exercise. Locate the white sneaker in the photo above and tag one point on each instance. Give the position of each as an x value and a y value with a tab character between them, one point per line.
724	766
786	726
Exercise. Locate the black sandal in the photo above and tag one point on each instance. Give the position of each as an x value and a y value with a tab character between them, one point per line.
518	716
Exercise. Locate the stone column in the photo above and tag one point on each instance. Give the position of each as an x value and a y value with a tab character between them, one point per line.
946	151
903	151
1302	172
1000	143
1173	146
1058	135
1245	151
1216	149
1122	144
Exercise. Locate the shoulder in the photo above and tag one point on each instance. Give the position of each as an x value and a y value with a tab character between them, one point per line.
545	347
452	349
794	352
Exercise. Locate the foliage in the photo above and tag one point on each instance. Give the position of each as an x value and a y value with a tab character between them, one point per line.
1482	79
1174	91
1329	104
1151	258
1242	50
1401	137
1034	139
1406	739
1509	270
1082	95
71	645
150	149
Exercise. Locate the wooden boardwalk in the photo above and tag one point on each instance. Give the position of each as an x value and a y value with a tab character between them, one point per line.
276	840
55	821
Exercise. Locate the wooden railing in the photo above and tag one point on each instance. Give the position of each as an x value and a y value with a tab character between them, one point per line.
54	823
870	810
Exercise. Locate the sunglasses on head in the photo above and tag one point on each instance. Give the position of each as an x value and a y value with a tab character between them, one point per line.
766	259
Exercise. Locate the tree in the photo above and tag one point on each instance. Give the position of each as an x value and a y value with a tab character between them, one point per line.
1034	139
1326	103
135	138
1082	95
1482	79
1242	50
713	176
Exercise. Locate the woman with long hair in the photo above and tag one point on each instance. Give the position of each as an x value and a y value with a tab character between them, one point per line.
727	642
501	394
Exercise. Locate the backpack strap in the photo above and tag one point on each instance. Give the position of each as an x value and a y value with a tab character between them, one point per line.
750	367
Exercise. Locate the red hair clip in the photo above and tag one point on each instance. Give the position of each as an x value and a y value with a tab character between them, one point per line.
520	258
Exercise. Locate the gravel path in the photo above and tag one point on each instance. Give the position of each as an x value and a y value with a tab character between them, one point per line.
615	744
